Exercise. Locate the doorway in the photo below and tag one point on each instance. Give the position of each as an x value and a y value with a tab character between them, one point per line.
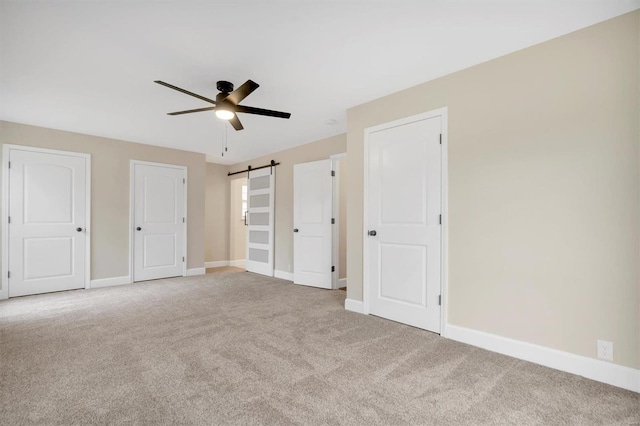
319	220
403	238
238	222
46	211
158	220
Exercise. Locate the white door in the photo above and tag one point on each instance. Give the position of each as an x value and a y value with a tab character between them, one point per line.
260	220
404	208
48	218
159	221
312	223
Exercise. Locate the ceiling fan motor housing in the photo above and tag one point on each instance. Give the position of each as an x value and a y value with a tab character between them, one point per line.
224	86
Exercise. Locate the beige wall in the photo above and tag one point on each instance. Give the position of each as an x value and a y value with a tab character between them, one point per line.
543	190
284	189
216	223
110	162
237	228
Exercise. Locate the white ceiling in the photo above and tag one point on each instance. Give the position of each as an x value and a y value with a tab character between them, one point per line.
89	66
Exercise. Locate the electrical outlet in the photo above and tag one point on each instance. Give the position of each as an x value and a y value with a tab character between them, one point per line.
605	350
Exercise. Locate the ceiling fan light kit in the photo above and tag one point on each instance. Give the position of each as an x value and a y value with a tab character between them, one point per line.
224	114
227	102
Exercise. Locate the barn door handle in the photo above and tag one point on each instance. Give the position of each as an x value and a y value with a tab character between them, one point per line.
372	233
138	229
246	212
295	230
79	229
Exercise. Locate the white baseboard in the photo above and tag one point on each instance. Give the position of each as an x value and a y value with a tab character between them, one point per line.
283	275
4	294
342	283
598	370
354	306
110	282
195	271
216	264
240	263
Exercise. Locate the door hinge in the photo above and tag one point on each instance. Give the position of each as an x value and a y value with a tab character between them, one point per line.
183	220
333	172
440	300
9	219
184	180
440	138
333	269
9	164
440	219
333	221
183	259
8	274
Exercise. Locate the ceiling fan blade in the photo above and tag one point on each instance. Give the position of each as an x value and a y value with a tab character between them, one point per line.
242	92
235	122
191	110
260	111
186	92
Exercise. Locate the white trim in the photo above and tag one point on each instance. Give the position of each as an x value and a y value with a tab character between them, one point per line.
110	282
284	275
339	156
335	214
4	291
335	209
354	306
601	371
444	229
220	263
342	283
444	182
132	164
216	264
195	271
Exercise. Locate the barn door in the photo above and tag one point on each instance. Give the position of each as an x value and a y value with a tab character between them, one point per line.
260	220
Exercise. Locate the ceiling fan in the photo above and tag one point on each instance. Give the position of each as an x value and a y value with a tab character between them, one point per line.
226	103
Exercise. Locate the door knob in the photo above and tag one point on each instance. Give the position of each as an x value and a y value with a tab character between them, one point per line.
295	230
372	233
79	229
138	229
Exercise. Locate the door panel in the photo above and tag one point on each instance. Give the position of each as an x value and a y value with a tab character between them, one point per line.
402	273
159	200
404	210
48	257
260	221
312	214
48	193
47	204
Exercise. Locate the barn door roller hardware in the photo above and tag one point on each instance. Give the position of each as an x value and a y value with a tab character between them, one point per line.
249	168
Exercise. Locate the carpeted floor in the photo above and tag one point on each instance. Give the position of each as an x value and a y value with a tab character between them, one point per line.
237	348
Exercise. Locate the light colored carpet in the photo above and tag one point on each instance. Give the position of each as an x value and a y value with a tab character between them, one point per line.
237	348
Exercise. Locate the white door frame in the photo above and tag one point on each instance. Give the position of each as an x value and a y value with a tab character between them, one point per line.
443	114
4	292
335	208
132	211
